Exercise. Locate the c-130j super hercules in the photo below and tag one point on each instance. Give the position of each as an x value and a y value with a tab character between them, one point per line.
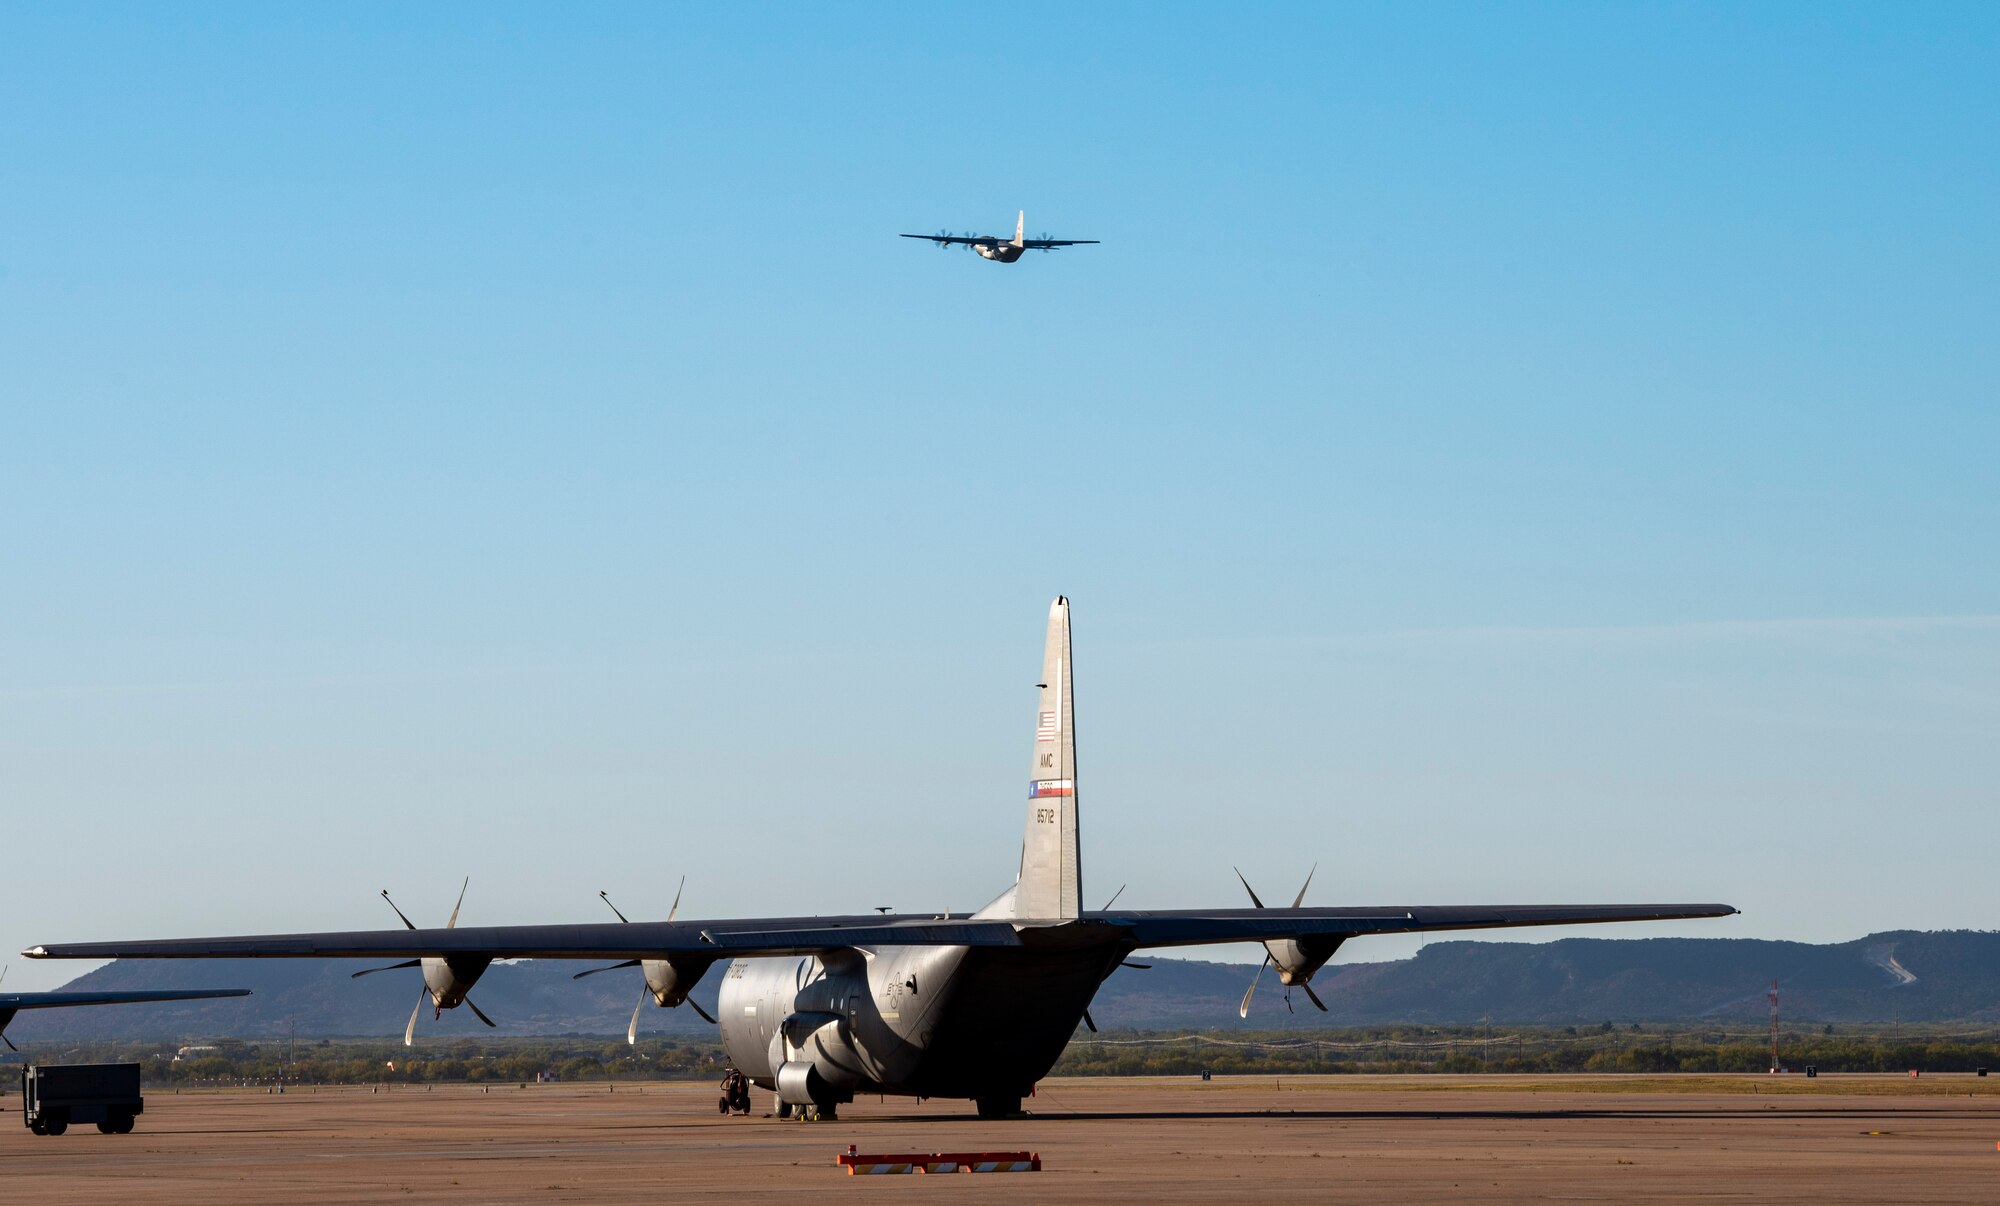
967	1005
999	249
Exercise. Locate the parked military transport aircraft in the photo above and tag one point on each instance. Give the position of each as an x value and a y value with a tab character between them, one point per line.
993	247
13	1002
972	1005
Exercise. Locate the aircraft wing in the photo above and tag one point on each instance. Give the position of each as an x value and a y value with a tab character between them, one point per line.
50	1000
947	240
595	940
1156	928
807	935
1046	244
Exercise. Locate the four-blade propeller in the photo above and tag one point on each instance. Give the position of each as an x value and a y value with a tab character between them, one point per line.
441	979
646	988
1243	1010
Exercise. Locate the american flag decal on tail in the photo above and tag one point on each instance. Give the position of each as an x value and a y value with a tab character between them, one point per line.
1046	730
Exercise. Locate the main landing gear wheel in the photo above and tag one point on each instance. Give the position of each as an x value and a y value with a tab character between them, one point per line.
784	1109
998	1107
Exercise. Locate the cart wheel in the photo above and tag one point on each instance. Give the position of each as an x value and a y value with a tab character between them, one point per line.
55	1126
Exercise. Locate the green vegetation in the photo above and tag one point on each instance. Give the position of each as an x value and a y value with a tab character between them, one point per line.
1547	1049
378	1061
1607	1048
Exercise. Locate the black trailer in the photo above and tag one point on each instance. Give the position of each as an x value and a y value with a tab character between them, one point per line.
55	1095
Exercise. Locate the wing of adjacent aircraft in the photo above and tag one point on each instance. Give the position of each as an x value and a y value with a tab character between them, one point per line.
807	935
13	1002
49	1000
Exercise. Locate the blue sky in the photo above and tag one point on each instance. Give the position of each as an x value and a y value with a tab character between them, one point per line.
1513	452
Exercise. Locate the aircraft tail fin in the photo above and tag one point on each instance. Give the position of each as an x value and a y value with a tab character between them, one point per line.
1051	883
1020	226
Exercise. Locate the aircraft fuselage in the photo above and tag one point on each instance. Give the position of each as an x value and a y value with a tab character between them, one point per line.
982	1023
1005	253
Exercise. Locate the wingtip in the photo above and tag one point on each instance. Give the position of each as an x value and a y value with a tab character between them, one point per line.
35	952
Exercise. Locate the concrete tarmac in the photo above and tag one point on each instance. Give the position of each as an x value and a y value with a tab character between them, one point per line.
1317	1139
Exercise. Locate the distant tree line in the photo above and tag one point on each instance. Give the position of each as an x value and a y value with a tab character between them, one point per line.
1606	1048
1567	1049
374	1061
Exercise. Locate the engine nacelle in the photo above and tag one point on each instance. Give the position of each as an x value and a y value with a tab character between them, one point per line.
670	980
450	977
1298	958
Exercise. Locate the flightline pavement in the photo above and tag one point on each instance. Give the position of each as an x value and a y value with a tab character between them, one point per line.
1162	1140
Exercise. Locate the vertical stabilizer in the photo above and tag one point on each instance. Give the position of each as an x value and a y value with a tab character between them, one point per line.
1051	885
1020	229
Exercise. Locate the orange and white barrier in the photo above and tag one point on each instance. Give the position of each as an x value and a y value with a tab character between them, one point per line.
858	1164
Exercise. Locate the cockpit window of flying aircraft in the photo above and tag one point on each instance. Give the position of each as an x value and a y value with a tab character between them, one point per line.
1006	251
967	1005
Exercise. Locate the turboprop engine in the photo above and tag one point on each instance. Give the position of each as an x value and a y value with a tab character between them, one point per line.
447	978
1295	958
668	981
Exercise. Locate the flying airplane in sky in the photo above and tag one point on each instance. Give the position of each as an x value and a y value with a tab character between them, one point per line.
993	247
965	1005
13	1002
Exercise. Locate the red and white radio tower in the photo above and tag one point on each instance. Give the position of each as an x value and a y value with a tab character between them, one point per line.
1774	1025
